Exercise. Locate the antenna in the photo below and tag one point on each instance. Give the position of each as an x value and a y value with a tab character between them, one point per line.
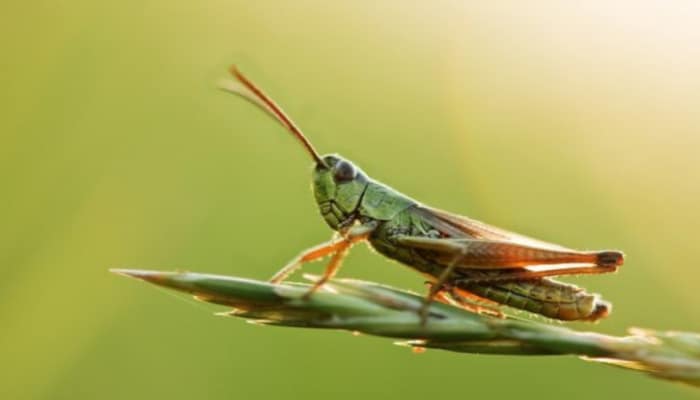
251	92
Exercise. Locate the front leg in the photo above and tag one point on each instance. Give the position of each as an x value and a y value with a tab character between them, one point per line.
337	247
309	255
352	235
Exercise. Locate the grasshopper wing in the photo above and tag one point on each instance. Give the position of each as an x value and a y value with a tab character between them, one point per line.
458	225
475	245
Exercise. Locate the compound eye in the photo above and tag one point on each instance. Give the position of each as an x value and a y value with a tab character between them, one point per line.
344	172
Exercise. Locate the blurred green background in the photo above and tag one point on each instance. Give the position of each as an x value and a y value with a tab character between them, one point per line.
572	123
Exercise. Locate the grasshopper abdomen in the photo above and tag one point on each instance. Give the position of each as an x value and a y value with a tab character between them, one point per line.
547	297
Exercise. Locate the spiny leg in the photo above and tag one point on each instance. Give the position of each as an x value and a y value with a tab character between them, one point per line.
332	267
353	235
311	254
444	298
471	302
466	301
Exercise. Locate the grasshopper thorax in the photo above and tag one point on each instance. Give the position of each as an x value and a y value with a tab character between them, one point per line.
338	187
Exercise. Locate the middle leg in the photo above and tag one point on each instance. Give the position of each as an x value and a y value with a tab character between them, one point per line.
438	286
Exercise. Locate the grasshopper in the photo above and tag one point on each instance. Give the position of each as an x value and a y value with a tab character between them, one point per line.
468	263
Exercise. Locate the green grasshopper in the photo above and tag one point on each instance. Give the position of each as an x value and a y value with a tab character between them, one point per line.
468	263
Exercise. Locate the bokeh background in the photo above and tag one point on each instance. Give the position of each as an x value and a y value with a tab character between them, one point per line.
574	123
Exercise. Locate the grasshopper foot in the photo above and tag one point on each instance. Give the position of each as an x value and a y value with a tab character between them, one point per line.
312	290
433	293
306	296
423	313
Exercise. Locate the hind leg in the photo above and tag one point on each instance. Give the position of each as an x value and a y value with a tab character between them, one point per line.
466	301
524	274
471	302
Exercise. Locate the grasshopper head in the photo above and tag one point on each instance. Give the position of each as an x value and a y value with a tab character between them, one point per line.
338	187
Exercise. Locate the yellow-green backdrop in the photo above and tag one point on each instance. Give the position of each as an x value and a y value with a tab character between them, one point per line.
575	123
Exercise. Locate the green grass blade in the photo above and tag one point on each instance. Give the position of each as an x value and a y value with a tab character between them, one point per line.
384	311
